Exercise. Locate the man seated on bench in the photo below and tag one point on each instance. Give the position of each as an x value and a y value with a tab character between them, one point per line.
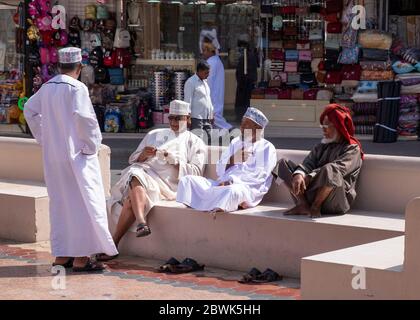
326	180
161	159
244	172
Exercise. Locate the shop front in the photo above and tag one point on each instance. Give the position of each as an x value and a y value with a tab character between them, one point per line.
138	55
11	67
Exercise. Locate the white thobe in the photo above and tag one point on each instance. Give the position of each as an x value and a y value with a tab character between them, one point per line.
250	181
159	176
197	94
62	120
216	82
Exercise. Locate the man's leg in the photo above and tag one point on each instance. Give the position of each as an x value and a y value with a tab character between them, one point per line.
126	220
326	192
284	171
137	196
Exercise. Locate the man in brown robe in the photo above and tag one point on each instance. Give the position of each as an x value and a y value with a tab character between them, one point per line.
325	183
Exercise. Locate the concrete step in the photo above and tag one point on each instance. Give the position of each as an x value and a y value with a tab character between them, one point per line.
260	237
24	211
369	271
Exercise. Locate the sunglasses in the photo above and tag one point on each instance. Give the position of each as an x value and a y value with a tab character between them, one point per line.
176	118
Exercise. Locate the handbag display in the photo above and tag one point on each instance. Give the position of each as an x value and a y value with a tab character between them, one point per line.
330	65
304	66
315	64
375	65
320	76
316	34
305	55
332	54
292	55
290	44
293	78
116	76
276	44
308	79
317	50
375	54
277	54
310	94
351	72
285	94
333	41
291	66
297	94
334	27
377	75
290	30
333	77
334	6
374	39
303	45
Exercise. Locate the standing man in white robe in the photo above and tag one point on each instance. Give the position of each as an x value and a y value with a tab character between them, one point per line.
163	157
62	120
244	172
216	82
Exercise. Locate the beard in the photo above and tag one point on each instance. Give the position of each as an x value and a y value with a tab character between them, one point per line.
330	140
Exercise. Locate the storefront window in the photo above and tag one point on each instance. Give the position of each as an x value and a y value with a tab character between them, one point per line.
182	26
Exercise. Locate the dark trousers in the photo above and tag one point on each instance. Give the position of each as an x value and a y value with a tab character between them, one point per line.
203	129
336	202
243	99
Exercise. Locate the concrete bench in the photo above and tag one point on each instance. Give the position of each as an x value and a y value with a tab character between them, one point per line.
387	269
263	237
23	194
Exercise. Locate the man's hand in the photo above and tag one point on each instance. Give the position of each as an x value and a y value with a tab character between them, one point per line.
147	153
298	185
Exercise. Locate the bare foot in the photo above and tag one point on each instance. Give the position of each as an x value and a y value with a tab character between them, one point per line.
315	212
243	206
299	210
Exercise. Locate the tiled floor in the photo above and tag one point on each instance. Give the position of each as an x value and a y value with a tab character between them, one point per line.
25	273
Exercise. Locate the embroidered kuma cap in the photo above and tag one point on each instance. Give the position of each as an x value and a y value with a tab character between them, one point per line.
179	108
257	116
70	55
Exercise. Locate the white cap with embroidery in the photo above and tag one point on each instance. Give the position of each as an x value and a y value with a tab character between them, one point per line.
257	116
70	55
179	108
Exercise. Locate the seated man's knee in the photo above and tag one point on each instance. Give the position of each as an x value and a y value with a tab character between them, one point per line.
331	174
135	184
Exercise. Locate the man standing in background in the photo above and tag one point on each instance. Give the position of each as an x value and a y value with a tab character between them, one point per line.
197	94
216	82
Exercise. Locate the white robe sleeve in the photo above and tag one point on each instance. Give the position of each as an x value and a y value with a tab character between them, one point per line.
189	91
197	155
33	116
86	124
224	160
136	154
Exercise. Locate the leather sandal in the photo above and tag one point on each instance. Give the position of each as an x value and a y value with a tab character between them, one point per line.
268	276
250	276
90	266
103	257
188	265
68	264
143	230
168	266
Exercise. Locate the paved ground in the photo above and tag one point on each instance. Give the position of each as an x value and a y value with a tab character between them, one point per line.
25	274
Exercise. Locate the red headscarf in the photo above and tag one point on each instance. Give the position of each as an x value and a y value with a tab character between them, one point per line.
341	118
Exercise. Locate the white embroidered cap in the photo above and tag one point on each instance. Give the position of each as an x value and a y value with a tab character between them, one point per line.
179	108
257	116
70	55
